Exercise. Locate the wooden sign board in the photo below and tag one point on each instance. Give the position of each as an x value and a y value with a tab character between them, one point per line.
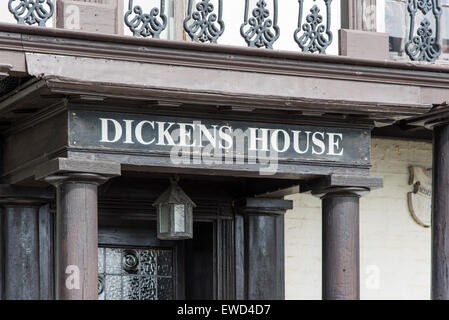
230	141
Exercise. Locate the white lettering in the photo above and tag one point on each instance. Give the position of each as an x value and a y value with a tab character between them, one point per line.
105	131
254	138
139	128
226	137
211	138
128	131
185	135
335	140
296	142
318	143
165	134
275	140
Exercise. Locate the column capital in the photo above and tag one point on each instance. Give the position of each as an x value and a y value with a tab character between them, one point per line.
88	178
342	185
63	170
12	195
341	192
263	206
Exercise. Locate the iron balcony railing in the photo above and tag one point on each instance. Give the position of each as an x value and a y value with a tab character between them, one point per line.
204	23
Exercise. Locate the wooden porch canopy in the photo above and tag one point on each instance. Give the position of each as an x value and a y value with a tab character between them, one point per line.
109	68
53	69
48	74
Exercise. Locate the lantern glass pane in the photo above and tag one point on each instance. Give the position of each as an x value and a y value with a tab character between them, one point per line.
180	224
164	218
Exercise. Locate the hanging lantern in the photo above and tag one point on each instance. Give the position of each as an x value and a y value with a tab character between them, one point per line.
174	214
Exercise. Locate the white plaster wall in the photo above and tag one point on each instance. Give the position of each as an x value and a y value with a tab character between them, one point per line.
395	251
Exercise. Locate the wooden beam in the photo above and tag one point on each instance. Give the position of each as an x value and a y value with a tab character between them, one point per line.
280	192
265	205
9	192
63	165
320	185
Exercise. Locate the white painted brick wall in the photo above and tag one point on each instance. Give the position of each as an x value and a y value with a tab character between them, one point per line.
391	242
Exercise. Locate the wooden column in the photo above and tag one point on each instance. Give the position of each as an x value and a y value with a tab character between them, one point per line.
76	224
260	255
440	213
341	246
340	195
76	236
438	120
21	264
2	254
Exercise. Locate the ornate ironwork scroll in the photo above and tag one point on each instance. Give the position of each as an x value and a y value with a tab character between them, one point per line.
259	30
144	24
312	35
202	24
425	45
32	11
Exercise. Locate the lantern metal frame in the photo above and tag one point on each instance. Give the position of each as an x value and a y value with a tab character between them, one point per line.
169	218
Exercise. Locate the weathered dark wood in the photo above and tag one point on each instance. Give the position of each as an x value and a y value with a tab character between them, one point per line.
280	261
180	271
22	276
320	185
264	255
11	193
76	240
279	192
200	263
27	239
39	141
239	227
259	249
87	130
340	257
2	252
46	253
143	233
265	205
63	165
440	214
152	163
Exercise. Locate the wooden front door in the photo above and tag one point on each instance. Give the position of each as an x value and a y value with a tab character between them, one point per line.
134	265
136	273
